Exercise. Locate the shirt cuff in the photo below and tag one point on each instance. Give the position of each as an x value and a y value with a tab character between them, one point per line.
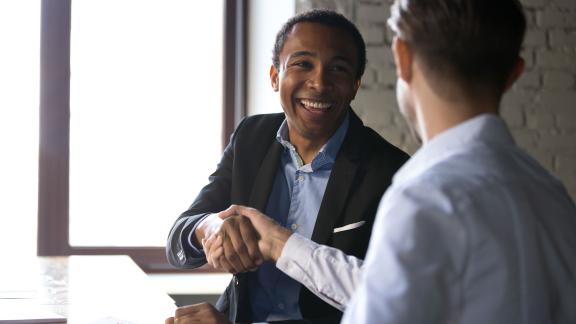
194	251
296	255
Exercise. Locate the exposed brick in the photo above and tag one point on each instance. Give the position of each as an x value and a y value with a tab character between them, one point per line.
369	78
529	80
539	119
529	58
557	142
535	38
561	38
534	3
525	138
373	35
518	98
566	120
558	80
372	13
392	134
551	17
566	164
557	101
544	157
565	4
386	75
556	60
379	54
514	116
374	100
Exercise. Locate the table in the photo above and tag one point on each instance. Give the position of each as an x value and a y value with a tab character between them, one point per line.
85	289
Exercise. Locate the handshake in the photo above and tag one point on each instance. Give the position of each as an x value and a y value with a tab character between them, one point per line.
240	239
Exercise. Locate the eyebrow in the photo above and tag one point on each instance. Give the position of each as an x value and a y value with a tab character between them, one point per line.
308	53
300	53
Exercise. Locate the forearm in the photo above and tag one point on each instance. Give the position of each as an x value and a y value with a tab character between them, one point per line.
325	271
179	252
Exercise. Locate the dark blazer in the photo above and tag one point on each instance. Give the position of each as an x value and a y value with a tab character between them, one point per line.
361	173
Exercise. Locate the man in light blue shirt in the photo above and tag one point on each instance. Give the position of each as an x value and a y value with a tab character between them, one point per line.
315	168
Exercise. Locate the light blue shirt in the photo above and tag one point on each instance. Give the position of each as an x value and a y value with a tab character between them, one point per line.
294	202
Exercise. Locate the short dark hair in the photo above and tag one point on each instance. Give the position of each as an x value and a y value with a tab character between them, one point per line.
324	17
473	42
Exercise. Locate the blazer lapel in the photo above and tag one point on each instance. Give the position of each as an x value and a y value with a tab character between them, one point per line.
265	177
340	182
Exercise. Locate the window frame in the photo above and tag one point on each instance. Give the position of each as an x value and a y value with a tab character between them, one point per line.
54	142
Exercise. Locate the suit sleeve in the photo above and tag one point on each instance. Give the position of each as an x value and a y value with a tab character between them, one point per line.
213	198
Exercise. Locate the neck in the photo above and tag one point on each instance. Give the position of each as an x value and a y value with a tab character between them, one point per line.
307	148
435	114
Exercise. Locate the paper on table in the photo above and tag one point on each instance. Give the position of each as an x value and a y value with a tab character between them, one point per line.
30	316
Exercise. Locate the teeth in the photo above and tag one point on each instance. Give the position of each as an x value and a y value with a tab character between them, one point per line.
316	104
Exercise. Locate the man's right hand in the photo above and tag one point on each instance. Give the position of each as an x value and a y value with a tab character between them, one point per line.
237	249
272	236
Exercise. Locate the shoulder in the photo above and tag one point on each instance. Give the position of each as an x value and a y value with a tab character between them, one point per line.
371	146
258	127
261	122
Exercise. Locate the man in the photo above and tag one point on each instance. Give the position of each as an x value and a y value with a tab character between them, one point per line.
315	169
472	230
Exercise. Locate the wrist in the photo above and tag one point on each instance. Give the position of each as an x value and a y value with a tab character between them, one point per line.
278	239
208	226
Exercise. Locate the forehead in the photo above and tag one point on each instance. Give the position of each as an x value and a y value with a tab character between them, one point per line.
319	39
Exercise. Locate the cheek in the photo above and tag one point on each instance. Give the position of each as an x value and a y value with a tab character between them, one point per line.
403	98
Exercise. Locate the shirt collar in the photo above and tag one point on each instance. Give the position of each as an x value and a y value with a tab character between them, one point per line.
485	128
327	153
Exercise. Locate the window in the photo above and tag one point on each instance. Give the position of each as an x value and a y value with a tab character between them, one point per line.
19	63
145	115
118	161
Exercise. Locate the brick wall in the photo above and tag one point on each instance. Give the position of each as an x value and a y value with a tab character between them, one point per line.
540	109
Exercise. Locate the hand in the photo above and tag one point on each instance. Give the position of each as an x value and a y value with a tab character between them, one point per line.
198	313
234	245
272	235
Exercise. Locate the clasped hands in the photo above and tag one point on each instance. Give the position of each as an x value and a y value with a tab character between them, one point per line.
240	239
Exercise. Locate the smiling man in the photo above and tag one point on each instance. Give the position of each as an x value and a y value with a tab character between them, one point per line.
315	169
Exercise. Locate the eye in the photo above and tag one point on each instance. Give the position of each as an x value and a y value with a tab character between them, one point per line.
339	68
302	64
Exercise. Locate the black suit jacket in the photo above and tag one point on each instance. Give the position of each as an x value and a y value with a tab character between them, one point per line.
361	173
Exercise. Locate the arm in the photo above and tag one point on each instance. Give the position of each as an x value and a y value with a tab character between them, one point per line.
203	219
325	271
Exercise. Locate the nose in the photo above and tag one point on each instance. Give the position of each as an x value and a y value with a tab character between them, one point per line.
319	79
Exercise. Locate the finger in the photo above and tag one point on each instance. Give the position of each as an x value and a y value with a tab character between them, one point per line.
226	266
230	211
207	246
169	320
250	240
185	310
247	211
242	231
211	256
217	256
232	256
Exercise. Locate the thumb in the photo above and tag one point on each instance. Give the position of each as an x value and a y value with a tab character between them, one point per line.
229	212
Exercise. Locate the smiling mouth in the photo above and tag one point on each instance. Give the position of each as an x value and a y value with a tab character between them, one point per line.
315	105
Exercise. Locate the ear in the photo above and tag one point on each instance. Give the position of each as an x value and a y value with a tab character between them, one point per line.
403	58
356	87
516	72
274	77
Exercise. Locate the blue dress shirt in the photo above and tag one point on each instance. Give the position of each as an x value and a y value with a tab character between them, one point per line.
294	202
